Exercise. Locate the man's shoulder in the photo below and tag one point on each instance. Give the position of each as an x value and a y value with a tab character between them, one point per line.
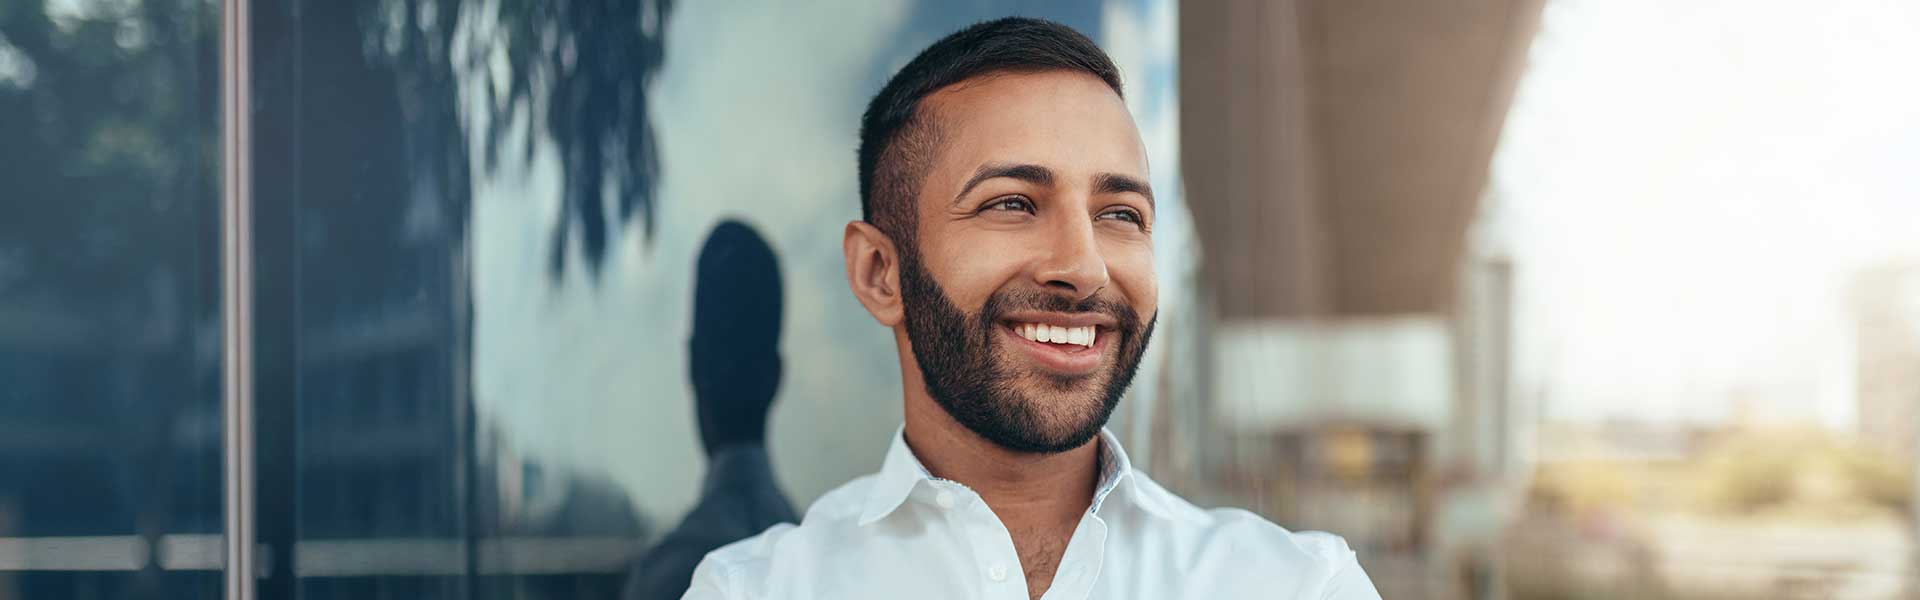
1216	546
1240	532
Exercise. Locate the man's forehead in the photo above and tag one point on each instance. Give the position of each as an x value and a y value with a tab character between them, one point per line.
1061	118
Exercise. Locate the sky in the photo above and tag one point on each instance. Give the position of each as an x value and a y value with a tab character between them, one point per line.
1685	189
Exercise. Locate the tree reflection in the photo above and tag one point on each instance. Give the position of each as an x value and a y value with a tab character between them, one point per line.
107	119
586	68
577	72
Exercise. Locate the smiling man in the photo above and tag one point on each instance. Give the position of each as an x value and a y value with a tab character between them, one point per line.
1007	242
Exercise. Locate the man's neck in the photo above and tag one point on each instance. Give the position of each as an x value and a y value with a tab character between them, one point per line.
1017	482
1039	498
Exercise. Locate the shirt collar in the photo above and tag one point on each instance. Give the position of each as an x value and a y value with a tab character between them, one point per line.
902	471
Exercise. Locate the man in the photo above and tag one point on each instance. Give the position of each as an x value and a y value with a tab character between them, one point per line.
1007	242
734	363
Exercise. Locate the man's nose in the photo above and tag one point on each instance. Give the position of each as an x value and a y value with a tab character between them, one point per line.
1073	264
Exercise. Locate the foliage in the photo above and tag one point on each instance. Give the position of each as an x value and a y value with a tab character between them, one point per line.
108	118
582	70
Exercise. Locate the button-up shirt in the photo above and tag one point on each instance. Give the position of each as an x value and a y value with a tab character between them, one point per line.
903	533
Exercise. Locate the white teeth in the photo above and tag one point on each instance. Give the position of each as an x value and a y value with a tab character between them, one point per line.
1082	336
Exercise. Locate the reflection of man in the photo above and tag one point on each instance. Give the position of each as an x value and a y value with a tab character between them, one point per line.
1007	241
735	365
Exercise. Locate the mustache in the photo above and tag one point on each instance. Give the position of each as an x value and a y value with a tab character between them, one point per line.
1010	300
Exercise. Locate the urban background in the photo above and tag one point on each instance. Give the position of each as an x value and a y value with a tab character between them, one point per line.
1525	298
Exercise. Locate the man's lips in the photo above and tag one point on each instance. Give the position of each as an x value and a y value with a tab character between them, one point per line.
1079	356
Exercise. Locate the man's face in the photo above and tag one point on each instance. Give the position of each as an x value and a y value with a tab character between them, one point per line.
1032	295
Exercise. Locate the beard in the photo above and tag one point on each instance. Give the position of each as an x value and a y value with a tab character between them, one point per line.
977	380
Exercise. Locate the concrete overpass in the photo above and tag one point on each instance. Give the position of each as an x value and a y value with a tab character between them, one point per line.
1334	150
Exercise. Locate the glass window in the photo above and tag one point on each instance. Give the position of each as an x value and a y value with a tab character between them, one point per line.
110	420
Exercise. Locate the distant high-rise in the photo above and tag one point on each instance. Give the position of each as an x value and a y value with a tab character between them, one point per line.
1886	322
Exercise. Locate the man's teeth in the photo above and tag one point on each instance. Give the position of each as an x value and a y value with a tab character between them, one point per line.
1083	336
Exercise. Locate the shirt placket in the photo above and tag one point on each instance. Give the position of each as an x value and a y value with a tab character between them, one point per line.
1080	564
995	560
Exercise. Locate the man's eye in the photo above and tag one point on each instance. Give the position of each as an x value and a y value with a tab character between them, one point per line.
1129	216
1011	203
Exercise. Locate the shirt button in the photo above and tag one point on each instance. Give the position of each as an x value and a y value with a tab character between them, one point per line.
997	572
945	499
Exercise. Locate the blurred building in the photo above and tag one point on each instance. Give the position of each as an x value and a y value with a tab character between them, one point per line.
1886	329
92	484
1354	353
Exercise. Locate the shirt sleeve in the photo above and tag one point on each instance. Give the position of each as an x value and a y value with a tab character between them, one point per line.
1350	582
711	581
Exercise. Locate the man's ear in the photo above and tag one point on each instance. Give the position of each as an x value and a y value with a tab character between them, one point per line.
873	271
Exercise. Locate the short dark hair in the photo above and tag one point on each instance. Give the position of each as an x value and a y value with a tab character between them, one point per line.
897	139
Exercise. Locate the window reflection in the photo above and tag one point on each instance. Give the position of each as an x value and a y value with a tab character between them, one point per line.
109	301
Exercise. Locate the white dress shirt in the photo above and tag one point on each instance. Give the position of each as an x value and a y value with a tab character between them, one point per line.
903	533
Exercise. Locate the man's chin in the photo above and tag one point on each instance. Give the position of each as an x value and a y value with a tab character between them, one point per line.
1054	389
1045	442
1032	418
1059	422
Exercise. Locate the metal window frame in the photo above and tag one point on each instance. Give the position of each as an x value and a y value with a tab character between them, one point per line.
236	294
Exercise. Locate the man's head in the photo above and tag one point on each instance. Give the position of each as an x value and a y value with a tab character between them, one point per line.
734	356
1005	205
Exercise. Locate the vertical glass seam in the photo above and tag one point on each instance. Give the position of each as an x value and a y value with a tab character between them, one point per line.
236	309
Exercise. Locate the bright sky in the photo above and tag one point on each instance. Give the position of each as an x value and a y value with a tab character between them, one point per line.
1685	188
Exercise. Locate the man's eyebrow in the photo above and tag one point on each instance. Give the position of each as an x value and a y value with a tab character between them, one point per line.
1115	183
1030	173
